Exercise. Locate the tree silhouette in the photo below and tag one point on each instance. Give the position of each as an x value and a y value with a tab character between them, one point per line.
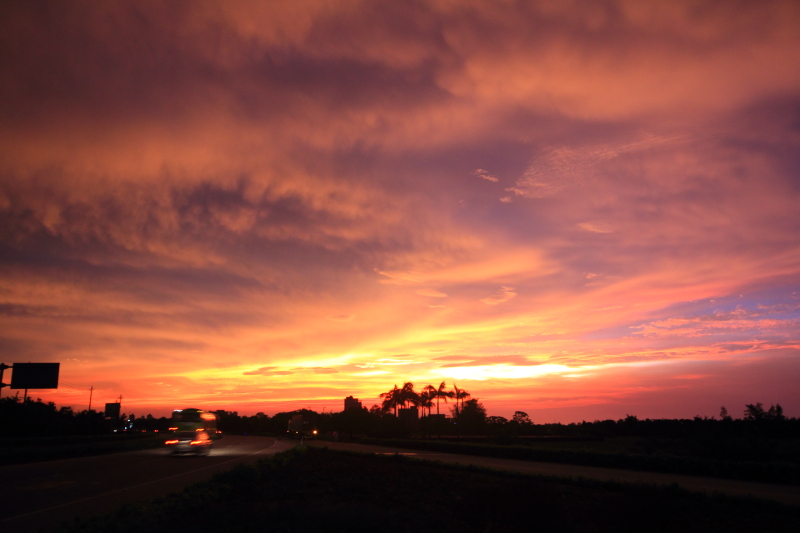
408	395
754	412
426	398
460	395
391	400
442	393
775	412
522	418
473	416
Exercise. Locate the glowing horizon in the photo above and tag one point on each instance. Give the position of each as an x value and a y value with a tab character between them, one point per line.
579	211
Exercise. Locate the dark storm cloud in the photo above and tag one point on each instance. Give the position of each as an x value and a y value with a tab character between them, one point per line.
132	59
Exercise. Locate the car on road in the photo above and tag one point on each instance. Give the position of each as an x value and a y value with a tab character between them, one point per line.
190	442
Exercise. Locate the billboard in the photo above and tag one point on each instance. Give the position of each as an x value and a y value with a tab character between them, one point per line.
34	375
112	410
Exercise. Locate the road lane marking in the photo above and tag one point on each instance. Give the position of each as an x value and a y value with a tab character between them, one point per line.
49	485
395	453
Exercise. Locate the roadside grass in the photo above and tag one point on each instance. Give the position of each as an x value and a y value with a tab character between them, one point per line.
321	490
580	454
748	449
31	450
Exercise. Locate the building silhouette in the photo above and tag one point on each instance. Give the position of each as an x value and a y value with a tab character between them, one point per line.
352	404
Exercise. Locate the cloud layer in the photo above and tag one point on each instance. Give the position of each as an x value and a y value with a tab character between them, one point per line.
271	202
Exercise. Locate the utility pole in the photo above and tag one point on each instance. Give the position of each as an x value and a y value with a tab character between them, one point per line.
91	390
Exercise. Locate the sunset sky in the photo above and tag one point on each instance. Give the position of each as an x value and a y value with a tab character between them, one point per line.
580	210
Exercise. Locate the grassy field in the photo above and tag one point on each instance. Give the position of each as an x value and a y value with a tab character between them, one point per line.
31	450
625	453
730	449
316	489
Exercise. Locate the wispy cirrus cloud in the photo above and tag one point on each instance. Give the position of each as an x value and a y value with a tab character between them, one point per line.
483	174
269	371
506	293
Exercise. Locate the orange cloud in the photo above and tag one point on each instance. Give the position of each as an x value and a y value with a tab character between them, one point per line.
290	203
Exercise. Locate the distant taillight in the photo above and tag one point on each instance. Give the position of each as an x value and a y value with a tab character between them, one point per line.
171	442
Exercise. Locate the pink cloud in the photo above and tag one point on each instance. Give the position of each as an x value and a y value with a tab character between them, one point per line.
265	188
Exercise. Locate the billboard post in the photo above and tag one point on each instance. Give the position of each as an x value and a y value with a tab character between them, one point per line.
3	367
112	413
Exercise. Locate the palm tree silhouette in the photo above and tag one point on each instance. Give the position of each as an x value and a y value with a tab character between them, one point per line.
426	398
408	395
460	395
442	393
430	394
391	400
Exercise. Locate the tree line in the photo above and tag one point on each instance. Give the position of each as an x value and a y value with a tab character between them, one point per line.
32	418
407	396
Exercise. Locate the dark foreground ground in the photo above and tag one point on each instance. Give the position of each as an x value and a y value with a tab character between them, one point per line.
44	494
786	494
321	490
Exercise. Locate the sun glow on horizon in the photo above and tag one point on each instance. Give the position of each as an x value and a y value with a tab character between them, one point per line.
484	372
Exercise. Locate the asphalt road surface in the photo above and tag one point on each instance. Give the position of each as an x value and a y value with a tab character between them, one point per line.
789	494
42	495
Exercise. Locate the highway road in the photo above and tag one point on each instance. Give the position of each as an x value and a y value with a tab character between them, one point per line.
42	495
789	494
